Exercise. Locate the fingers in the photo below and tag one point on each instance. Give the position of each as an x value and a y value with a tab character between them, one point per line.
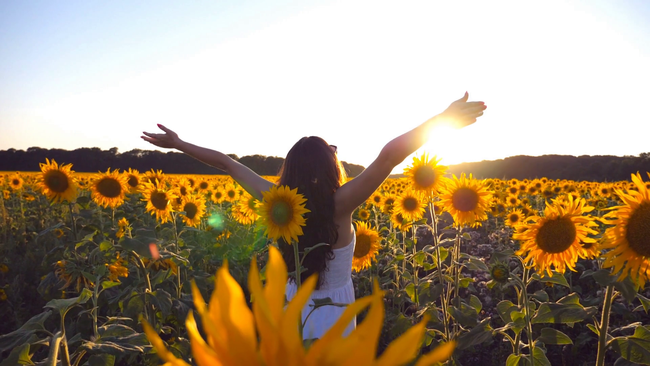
164	128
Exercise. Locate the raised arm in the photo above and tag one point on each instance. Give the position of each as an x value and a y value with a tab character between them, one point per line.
459	114
248	179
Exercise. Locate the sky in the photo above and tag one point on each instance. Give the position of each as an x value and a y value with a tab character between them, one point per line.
253	77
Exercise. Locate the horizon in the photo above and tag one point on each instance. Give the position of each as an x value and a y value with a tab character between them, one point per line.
559	78
348	162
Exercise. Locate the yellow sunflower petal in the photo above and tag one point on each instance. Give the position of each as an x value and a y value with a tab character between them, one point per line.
159	346
439	354
203	354
404	348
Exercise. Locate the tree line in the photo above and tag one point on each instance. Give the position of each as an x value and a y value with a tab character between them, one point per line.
598	168
95	159
590	168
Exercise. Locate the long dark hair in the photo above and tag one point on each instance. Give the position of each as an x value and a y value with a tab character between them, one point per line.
313	167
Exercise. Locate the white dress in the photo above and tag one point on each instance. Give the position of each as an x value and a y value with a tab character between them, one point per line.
337	285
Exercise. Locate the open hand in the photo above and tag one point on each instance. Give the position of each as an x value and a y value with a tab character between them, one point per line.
169	139
462	113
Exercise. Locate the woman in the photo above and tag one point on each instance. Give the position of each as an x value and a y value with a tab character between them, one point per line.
313	167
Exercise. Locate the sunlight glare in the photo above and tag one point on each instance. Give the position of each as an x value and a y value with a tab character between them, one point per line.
445	142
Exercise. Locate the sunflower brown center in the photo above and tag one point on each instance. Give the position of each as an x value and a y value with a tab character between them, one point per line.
556	235
231	193
15	182
281	213
218	194
362	247
109	187
638	230
425	176
465	199
514	218
56	181
183	191
159	200
190	210
410	204
251	203
203	185
133	181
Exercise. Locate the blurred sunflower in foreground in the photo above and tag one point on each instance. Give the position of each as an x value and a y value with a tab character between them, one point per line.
57	182
629	239
269	335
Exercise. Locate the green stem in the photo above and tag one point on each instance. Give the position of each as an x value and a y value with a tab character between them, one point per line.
604	324
443	303
528	317
74	224
415	266
296	259
457	269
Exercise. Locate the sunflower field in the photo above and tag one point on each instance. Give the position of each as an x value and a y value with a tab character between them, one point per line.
131	268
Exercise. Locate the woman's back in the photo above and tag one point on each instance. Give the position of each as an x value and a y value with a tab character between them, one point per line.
337	285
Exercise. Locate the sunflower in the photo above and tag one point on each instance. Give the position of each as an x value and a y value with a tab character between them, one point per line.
500	272
425	174
466	199
374	200
245	210
123	225
512	200
183	187
513	190
203	186
218	195
154	177
231	193
193	207
159	200
117	270
58	233
282	212
57	181
558	238
547	192
411	205
514	218
6	194
629	239
16	181
132	179
109	189
498	208
527	210
366	247
387	203
363	214
399	222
